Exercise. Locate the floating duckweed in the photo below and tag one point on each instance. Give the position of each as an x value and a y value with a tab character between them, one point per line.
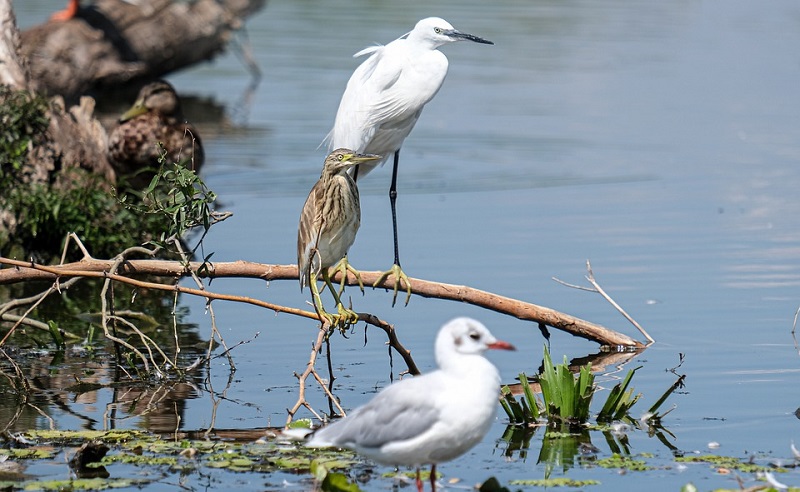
135	459
729	462
84	484
64	437
618	461
554	482
38	453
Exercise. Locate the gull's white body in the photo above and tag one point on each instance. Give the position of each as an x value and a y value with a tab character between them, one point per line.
430	418
386	93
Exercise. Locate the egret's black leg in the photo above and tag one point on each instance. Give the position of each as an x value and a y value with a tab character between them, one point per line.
398	273
393	201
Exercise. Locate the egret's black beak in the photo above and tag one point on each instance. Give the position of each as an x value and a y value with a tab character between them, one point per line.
469	37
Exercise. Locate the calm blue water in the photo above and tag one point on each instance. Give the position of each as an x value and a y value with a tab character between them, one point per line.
660	141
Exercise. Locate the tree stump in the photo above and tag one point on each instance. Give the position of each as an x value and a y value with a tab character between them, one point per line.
112	42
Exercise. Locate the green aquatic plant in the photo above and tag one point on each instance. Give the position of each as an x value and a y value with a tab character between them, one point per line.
566	398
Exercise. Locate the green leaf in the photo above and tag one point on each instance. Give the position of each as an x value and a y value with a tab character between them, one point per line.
56	335
533	403
337	482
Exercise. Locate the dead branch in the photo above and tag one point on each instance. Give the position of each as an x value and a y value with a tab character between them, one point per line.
27	271
322	335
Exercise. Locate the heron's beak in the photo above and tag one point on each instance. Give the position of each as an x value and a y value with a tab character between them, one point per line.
359	158
458	35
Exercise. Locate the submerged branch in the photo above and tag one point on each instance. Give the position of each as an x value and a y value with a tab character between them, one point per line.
90	267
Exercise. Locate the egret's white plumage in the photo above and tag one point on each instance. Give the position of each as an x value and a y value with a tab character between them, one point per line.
386	93
431	418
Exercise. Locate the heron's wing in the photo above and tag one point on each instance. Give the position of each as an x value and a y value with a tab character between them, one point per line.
399	413
308	234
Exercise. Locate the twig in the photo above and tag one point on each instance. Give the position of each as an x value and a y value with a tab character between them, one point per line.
24	301
25	321
323	333
215	333
590	278
227	352
106	315
44	295
394	342
74	237
599	290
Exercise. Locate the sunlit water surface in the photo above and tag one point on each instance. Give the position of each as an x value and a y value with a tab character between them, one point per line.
658	140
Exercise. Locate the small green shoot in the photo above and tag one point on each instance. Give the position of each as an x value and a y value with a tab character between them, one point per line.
620	400
56	335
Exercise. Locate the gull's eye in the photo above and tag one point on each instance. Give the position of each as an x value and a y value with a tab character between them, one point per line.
475	336
437	30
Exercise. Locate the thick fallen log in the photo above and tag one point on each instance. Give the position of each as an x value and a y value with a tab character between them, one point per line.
20	271
112	42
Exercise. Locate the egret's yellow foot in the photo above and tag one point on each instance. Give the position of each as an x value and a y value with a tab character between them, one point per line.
399	276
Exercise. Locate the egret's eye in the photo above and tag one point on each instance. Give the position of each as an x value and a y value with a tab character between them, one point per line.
437	30
341	156
475	336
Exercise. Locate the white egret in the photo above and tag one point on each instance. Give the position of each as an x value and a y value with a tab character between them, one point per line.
431	418
384	98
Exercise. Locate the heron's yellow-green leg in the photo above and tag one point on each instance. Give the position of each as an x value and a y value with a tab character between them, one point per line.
346	316
332	319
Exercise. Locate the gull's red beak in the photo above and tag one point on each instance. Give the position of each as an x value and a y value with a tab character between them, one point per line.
501	345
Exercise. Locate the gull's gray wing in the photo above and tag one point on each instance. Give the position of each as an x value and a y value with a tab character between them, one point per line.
399	413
